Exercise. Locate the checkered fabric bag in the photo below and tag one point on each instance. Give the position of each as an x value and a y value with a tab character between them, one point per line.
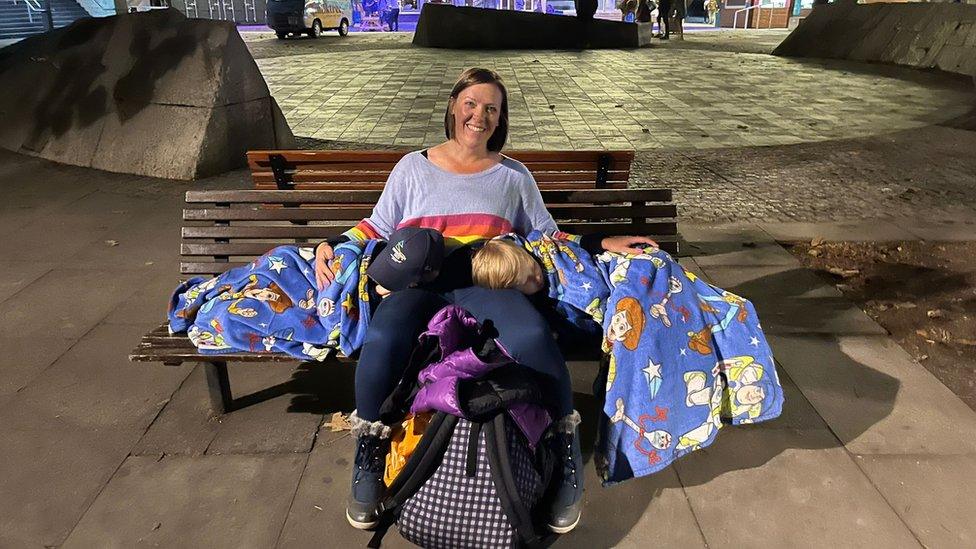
479	494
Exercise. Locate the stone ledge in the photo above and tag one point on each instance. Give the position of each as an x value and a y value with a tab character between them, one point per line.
926	36
447	26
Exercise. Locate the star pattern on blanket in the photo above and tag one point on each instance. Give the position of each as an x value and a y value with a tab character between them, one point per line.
277	264
251	308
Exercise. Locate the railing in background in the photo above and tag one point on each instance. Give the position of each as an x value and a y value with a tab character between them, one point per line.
758	6
34	6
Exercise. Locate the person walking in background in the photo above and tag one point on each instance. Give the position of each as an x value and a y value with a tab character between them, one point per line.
383	11
664	10
628	10
585	9
394	18
644	9
711	8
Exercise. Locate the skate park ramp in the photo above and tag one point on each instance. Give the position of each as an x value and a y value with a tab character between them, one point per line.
148	93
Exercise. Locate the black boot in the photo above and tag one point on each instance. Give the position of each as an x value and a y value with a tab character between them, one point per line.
372	445
567	502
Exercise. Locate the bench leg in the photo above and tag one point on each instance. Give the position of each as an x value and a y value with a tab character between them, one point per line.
218	385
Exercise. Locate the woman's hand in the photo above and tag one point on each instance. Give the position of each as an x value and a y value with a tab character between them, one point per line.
323	273
627	244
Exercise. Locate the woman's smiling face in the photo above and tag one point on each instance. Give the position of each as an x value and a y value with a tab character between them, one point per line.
476	112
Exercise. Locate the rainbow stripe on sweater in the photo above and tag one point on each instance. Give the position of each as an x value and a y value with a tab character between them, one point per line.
458	229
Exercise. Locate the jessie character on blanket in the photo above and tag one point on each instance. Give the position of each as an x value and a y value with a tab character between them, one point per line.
626	324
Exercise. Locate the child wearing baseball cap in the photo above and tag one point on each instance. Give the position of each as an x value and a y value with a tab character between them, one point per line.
412	256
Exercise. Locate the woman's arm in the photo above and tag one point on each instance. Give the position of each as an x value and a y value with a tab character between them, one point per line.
386	214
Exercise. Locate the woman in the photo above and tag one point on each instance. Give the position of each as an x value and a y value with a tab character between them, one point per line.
468	191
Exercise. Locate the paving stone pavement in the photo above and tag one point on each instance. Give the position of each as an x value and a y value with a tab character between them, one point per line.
100	452
708	116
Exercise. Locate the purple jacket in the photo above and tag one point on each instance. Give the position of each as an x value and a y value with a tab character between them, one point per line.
455	331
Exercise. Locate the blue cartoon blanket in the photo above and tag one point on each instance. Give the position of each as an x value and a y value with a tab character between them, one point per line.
272	304
685	357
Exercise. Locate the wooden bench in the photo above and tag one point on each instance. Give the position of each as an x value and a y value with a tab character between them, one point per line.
226	229
364	170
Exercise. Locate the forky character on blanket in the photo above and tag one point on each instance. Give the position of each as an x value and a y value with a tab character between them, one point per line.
658	439
659	310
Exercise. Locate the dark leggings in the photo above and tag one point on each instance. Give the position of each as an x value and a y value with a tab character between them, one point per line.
403	315
664	10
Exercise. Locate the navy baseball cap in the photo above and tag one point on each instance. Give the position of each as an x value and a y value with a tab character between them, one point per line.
412	255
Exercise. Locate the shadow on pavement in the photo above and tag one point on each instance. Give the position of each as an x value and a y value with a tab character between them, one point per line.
615	511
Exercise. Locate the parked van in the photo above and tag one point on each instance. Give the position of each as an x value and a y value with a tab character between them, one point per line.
311	17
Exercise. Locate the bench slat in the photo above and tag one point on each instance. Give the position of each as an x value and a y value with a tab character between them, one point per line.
324	213
212	268
353	213
319	231
260	158
265	232
361	197
343	186
584	173
652	229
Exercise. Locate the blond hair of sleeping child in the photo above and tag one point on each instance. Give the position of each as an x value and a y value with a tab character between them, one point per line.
501	264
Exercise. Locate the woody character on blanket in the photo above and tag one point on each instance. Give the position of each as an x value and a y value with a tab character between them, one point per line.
685	357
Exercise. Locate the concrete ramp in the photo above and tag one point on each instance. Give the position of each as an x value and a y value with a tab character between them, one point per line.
148	93
921	35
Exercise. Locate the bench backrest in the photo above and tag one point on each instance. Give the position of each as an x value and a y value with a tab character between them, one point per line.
368	170
225	229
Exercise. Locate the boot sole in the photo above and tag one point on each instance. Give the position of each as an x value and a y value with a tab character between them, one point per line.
361	525
565	529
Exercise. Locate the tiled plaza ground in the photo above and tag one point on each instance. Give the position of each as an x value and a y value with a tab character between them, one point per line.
871	451
865	141
649	98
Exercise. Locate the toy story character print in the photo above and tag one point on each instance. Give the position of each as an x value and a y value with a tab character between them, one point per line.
611	371
745	397
308	254
257	312
203	339
309	301
272	295
190	304
626	325
648	440
736	310
595	310
700	393
325	307
659	310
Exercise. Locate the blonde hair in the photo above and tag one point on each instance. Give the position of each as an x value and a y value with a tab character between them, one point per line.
501	264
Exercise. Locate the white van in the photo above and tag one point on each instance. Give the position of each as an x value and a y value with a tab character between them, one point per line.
311	17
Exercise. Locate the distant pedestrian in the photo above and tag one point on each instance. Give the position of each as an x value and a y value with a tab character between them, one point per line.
394	18
711	8
644	9
585	9
628	9
664	10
